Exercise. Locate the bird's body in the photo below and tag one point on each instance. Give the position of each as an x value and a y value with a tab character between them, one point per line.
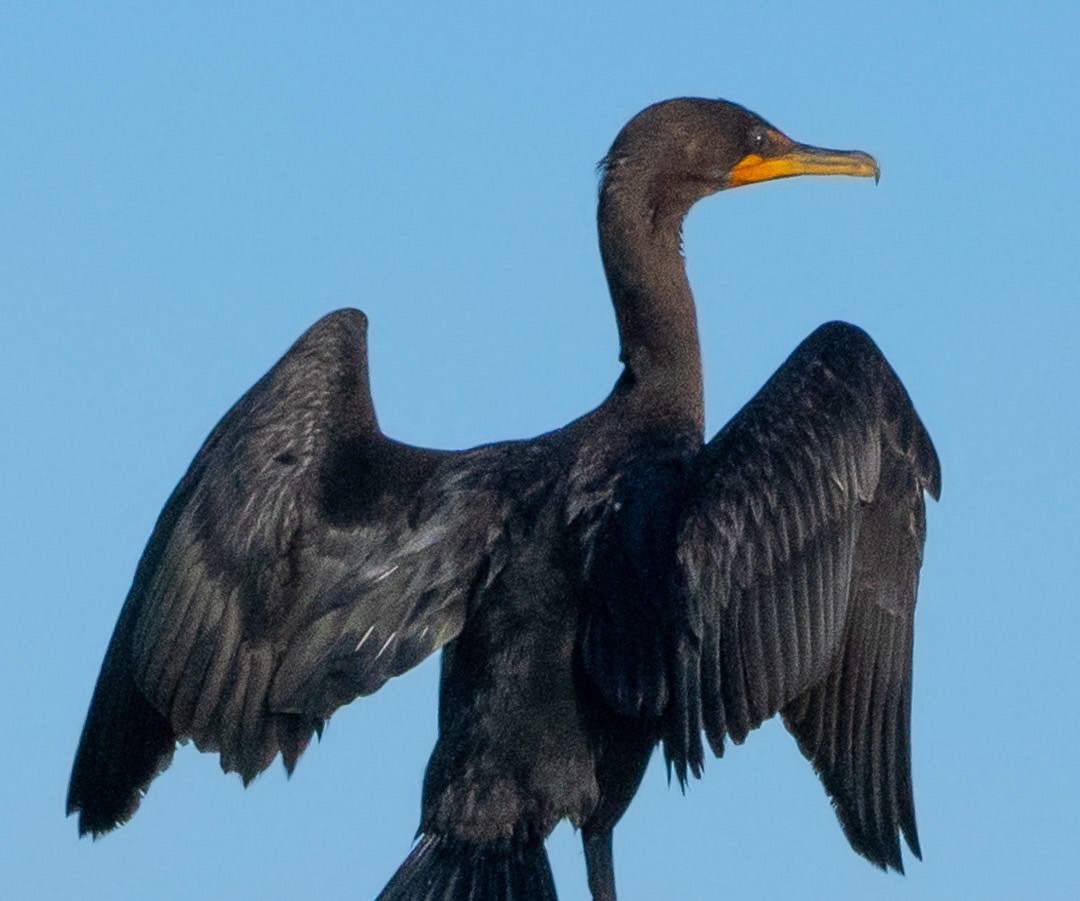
598	590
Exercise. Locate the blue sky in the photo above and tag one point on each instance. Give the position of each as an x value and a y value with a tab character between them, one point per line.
183	192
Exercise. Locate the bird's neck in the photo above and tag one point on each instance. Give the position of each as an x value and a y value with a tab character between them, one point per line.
658	336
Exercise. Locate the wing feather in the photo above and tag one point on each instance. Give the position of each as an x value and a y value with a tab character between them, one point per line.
800	544
303	560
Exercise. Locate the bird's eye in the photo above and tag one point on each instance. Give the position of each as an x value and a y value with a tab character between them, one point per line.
759	139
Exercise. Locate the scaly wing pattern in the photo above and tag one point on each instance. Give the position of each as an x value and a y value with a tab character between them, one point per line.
800	547
303	560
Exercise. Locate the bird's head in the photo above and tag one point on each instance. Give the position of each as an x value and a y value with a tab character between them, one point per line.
678	151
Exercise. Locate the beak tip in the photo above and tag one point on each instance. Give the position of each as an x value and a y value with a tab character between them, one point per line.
875	169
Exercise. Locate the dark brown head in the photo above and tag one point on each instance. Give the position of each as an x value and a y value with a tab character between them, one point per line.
676	152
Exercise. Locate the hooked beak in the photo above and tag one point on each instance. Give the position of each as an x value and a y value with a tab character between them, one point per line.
788	159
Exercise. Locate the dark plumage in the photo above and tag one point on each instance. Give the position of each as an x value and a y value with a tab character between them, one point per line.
596	591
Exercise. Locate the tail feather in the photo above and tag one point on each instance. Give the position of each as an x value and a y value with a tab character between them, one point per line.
445	869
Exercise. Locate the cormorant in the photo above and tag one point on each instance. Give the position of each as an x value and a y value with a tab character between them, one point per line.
598	590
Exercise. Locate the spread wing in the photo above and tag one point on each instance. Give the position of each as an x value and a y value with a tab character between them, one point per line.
303	560
800	549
